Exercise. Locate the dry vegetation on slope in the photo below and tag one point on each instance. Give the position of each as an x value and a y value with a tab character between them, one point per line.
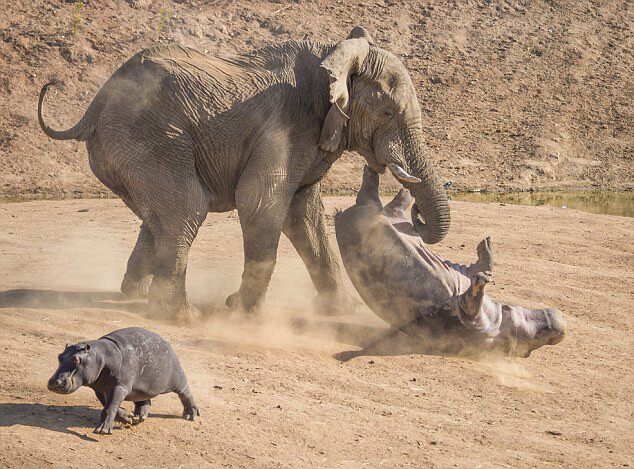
515	94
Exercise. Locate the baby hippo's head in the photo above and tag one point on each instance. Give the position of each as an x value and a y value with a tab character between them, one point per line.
77	367
523	330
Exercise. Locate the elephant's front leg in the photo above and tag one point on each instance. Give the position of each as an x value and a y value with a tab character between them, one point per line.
305	227
262	202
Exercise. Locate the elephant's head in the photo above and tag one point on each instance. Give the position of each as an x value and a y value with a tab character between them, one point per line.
374	111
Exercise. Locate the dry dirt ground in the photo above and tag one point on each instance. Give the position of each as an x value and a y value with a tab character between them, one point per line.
272	390
514	93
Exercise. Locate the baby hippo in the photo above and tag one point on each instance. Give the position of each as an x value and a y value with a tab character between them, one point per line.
424	296
131	364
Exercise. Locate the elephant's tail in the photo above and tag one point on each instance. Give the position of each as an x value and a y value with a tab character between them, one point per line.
77	132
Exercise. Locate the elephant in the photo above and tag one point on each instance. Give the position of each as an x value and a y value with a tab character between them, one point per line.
177	134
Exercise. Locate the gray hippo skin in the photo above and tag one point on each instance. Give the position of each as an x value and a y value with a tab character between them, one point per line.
422	295
131	364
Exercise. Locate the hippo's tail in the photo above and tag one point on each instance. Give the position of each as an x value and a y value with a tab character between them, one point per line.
77	132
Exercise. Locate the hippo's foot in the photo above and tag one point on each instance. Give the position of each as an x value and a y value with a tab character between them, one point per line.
191	412
136	289
485	258
104	428
335	304
470	302
478	282
141	410
124	416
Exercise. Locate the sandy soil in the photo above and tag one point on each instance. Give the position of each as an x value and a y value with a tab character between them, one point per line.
272	390
514	93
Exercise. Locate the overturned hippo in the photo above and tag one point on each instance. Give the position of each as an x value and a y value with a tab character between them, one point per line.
422	295
131	364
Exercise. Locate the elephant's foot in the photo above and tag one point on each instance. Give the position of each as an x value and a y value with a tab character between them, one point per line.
335	304
182	312
136	289
236	302
187	314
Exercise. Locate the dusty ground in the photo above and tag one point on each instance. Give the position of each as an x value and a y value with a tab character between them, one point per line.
514	93
272	392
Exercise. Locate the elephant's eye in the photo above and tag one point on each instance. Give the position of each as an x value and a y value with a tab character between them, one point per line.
389	113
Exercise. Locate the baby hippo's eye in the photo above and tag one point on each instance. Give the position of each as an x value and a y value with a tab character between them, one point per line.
76	360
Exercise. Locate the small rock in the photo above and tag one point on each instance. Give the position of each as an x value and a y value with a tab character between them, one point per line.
553	432
83	210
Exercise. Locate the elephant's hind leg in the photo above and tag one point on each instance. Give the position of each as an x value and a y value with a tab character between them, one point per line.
173	205
138	276
174	234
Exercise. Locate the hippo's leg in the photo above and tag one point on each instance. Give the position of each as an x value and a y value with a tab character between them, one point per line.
485	259
369	192
123	416
142	410
113	401
398	206
190	409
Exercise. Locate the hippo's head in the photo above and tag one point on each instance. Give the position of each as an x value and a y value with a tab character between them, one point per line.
77	367
523	330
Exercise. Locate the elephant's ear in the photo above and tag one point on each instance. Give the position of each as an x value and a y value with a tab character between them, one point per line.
346	58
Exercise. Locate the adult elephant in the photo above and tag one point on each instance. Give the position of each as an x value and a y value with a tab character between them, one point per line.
176	134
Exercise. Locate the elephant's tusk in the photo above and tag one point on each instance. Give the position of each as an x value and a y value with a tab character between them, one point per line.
400	174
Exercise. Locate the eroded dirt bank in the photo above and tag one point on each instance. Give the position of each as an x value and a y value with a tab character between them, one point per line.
514	93
271	391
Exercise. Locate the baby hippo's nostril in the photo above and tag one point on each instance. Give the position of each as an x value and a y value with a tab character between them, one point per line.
57	385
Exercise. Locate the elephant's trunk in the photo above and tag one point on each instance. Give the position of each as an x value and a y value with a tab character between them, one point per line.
429	195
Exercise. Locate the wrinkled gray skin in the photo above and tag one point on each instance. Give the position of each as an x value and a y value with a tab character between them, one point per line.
422	295
176	134
130	364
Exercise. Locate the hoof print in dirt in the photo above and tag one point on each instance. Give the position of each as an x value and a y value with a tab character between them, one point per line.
130	364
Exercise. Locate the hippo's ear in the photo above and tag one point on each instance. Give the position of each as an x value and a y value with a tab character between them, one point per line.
87	347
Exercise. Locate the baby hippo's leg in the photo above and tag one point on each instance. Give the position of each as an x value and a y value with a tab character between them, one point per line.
190	409
114	398
142	410
122	416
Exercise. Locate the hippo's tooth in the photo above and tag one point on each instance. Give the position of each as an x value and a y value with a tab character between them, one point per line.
401	174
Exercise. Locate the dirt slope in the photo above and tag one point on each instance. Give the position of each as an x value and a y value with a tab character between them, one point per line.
272	392
515	94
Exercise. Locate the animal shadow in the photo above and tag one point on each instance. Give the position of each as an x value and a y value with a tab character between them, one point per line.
52	417
378	341
54	299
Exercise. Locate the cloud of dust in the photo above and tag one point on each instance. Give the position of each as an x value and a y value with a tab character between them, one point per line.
287	319
510	373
